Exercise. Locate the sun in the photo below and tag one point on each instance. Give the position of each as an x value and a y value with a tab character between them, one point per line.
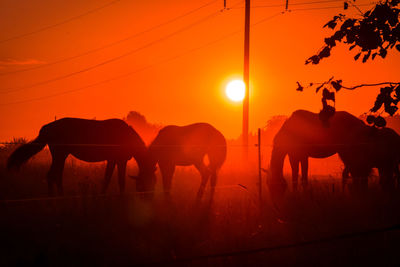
235	90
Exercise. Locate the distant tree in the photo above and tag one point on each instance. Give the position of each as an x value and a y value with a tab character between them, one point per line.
14	142
7	148
275	122
135	118
139	122
272	127
374	33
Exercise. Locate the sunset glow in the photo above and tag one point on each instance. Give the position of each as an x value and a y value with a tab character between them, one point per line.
208	132
235	90
55	63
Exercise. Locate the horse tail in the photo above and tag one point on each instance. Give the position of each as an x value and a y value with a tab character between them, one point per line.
276	183
24	152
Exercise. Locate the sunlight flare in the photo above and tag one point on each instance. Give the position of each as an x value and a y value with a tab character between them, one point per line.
235	90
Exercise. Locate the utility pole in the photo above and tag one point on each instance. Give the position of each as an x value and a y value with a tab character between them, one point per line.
245	130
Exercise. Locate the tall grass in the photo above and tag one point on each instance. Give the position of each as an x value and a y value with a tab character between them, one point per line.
92	229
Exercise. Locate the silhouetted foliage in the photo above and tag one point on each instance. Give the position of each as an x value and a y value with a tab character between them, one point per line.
13	143
139	122
374	33
135	117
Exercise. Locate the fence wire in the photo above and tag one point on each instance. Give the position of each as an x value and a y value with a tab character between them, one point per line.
327	239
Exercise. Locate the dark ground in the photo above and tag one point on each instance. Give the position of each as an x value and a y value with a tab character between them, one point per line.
318	227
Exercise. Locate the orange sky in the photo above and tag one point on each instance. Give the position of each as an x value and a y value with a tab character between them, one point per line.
187	89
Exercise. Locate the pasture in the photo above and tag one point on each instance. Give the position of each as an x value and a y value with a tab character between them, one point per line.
322	225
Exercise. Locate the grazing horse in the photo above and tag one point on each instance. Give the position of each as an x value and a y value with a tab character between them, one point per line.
384	154
188	145
300	158
304	135
88	140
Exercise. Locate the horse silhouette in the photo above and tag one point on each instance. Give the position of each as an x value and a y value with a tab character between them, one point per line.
304	135
382	153
88	140
185	146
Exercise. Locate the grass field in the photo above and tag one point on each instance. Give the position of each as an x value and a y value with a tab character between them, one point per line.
323	225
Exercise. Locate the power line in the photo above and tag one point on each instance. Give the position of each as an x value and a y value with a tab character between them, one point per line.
11	90
305	3
299	4
113	43
160	62
141	69
322	8
60	23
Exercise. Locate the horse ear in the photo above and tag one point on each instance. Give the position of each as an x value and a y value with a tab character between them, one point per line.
134	177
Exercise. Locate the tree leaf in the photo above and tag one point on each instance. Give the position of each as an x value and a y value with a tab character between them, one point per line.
378	103
326	94
331	24
299	88
370	119
326	52
380	121
365	58
314	60
337	85
330	42
397	90
391	110
383	52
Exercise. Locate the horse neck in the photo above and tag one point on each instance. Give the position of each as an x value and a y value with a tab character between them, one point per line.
144	158
152	153
277	159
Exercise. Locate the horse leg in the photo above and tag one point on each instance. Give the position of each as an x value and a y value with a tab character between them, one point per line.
294	164
59	174
205	174
304	172
213	181
107	177
167	171
386	177
51	178
345	176
121	175
397	174
55	173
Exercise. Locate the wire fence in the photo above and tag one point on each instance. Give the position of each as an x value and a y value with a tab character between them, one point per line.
229	254
327	239
220	255
335	145
104	196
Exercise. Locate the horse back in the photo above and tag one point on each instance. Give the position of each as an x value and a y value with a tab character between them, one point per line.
82	131
305	129
93	140
187	144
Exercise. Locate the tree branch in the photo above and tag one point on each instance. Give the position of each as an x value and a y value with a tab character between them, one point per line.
368	84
